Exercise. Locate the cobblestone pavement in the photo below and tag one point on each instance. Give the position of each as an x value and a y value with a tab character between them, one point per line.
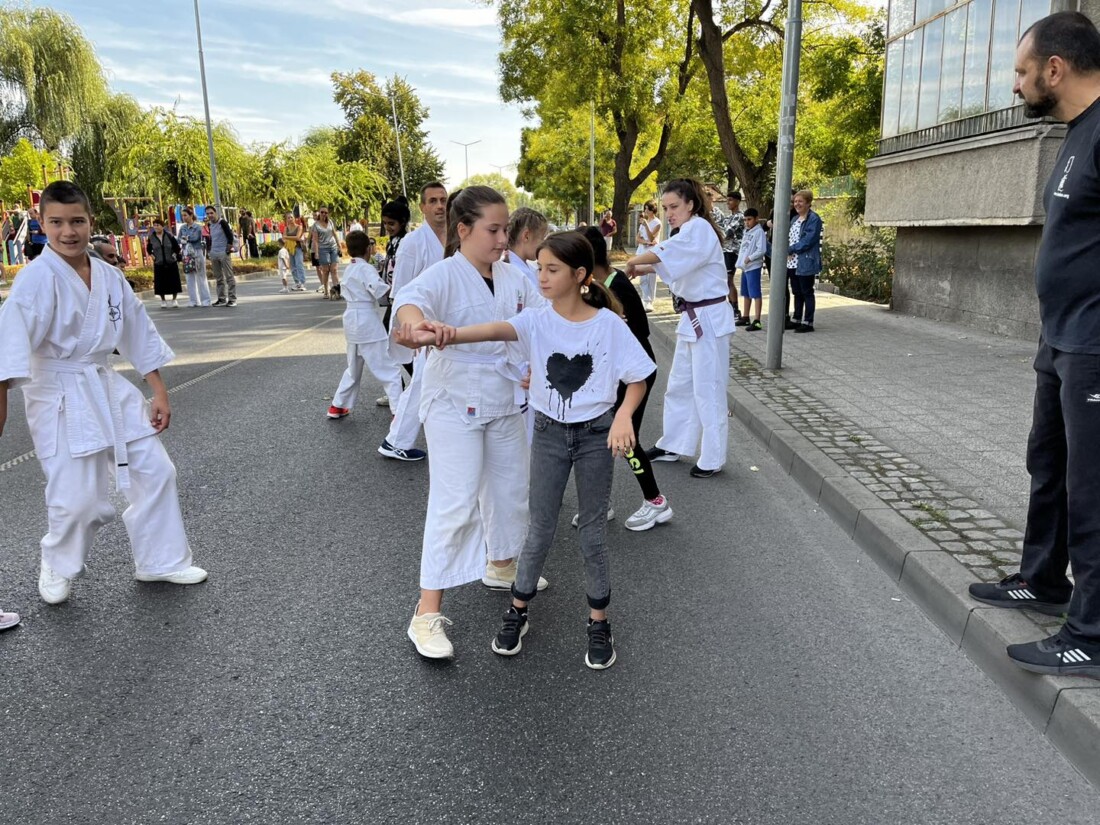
930	417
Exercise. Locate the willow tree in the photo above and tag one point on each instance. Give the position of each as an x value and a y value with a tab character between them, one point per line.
50	77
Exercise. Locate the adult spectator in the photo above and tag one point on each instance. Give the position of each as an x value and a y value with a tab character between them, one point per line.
194	259
804	259
164	249
322	240
293	235
221	247
250	236
608	228
649	233
104	249
355	226
732	225
36	238
1058	76
242	225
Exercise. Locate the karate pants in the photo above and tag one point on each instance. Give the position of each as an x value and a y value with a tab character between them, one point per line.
649	288
405	426
477	495
375	356
198	288
696	410
77	505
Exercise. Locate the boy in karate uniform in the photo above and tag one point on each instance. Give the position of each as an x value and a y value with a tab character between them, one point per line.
368	341
66	314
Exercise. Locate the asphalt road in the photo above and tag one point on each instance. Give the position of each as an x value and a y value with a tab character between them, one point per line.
767	673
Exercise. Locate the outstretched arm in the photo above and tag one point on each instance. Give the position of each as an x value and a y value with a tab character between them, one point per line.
640	264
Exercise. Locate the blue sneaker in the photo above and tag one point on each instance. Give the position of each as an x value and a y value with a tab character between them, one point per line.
389	451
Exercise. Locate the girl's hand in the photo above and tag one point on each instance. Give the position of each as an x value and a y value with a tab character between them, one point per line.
621	438
414	336
631	270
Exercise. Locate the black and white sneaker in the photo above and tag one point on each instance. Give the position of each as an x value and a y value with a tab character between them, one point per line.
657	454
1055	656
509	639
601	647
390	451
1014	592
699	472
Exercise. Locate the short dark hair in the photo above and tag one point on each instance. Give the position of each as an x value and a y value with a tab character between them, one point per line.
734	194
63	191
1071	36
432	185
751	213
357	243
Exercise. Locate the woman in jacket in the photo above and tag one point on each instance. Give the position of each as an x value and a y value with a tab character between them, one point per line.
804	259
164	249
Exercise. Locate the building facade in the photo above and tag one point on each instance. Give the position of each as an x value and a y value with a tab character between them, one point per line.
959	170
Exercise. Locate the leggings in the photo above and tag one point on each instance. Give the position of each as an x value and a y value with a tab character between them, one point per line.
638	460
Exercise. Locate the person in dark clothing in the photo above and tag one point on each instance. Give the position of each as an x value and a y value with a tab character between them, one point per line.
36	237
1058	76
165	251
655	508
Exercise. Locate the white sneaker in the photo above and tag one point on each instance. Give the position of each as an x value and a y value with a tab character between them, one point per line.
53	587
192	575
649	514
8	620
384	401
429	634
175	303
610	517
284	290
163	304
502	578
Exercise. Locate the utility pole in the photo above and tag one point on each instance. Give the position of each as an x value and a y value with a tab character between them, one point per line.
784	169
466	149
592	163
206	106
400	158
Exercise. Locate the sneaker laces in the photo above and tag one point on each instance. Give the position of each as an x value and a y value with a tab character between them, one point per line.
513	620
599	633
435	624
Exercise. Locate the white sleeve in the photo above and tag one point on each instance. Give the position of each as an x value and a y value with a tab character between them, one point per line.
408	263
685	252
373	282
523	323
428	292
632	362
24	321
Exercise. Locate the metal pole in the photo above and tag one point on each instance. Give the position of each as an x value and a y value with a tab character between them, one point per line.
466	149
206	106
788	108
400	159
592	163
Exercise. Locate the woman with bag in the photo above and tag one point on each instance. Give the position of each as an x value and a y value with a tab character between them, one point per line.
164	249
194	260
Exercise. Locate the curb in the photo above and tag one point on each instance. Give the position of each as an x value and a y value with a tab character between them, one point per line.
1065	709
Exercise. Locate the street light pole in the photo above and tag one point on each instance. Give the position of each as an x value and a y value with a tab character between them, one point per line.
784	169
592	163
466	150
400	157
206	106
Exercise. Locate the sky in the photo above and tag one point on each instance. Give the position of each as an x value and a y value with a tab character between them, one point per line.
268	64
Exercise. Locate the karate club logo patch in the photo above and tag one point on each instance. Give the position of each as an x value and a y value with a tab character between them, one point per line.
114	312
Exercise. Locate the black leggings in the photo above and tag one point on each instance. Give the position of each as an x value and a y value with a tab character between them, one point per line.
638	460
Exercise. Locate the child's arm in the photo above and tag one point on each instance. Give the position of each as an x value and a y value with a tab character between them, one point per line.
160	409
621	438
641	264
424	333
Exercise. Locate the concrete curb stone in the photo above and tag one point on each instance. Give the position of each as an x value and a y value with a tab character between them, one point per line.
1065	709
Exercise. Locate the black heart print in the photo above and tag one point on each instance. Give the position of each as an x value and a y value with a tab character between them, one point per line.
567	375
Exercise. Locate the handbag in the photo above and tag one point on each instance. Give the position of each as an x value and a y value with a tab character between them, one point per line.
190	265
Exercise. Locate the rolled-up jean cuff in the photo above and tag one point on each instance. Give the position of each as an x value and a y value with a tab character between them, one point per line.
523	597
595	604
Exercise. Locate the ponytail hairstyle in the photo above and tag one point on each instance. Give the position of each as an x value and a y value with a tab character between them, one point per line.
689	189
574	250
599	246
465	206
398	210
525	218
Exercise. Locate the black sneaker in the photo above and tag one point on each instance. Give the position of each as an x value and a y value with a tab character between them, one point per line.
754	327
657	454
699	472
742	322
230	303
509	640
1015	593
601	647
219	303
805	328
1056	656
390	451
789	324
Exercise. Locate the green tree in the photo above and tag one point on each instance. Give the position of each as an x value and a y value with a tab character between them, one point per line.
368	135
22	168
50	77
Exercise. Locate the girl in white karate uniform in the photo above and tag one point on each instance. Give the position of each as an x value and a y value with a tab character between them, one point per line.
471	408
526	230
696	417
649	232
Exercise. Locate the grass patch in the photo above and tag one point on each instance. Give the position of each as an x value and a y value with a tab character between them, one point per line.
935	512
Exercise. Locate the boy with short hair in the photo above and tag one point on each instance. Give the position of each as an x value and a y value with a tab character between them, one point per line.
283	260
750	260
368	342
66	314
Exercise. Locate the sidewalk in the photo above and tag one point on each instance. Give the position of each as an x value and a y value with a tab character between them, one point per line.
911	433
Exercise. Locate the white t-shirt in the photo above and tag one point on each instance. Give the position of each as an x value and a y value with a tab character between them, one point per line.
361	287
283	261
576	367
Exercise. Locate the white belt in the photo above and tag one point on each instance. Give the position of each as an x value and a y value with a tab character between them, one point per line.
499	363
91	370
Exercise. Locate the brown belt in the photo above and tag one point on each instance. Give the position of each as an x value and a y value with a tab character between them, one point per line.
691	306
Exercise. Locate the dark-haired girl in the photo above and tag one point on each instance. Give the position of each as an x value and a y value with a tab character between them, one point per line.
579	350
471	402
691	263
395	223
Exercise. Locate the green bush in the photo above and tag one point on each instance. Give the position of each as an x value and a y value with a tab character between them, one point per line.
269	249
862	267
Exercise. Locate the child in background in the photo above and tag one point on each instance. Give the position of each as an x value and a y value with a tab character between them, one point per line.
368	341
579	350
284	265
750	260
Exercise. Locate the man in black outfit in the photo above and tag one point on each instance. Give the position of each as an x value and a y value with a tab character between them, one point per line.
1058	75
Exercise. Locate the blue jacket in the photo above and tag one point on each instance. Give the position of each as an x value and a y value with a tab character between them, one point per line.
808	246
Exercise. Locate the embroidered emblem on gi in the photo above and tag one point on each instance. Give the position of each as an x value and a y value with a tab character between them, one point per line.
114	312
1092	398
567	375
471	411
519	302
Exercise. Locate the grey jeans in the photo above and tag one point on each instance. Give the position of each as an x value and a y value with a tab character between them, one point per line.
555	450
223	274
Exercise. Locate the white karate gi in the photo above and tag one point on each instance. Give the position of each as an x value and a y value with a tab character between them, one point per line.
87	421
470	406
696	410
648	233
367	339
419	250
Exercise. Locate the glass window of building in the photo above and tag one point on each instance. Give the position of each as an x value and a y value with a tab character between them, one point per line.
1002	53
951	73
928	108
910	82
977	56
901	16
891	98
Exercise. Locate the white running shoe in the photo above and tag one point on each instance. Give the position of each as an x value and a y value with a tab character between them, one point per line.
502	578
649	514
191	575
577	518
428	633
384	401
53	587
8	620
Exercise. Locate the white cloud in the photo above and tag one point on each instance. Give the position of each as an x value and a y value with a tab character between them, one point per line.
453	18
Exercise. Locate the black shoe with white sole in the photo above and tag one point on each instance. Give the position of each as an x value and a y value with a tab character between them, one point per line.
509	639
1013	592
657	454
699	472
1056	656
601	647
390	451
